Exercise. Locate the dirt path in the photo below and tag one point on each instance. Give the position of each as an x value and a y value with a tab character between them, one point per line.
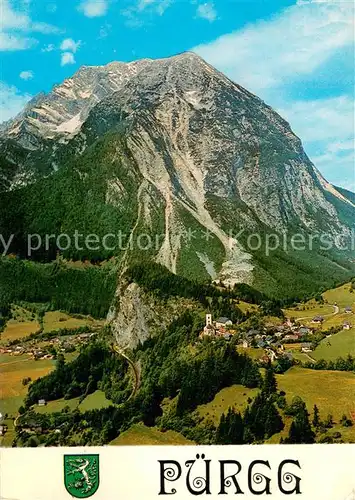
136	371
336	311
309	357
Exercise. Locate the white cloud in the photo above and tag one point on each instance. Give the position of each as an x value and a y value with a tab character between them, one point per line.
327	129
48	48
10	42
322	119
207	11
67	58
26	75
12	101
44	28
154	6
69	48
20	20
294	43
94	8
70	45
15	24
341	146
11	19
139	13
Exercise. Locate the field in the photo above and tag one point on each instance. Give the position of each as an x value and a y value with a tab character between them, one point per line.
252	352
13	370
341	295
306	312
333	315
332	391
235	396
58	405
96	400
139	434
24	322
246	307
295	349
55	320
339	345
17	330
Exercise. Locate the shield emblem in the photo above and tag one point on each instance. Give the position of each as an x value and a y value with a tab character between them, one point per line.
81	475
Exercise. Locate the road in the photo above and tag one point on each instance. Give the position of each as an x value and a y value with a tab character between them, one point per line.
135	369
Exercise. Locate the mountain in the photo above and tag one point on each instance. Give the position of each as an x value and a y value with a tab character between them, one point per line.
189	165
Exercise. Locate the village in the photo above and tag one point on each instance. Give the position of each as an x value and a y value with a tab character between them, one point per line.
38	349
271	339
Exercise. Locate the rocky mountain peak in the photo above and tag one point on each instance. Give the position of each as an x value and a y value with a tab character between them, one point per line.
63	110
180	143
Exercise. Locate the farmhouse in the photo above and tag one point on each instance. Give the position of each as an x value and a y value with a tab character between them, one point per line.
348	310
290	336
318	319
306	347
304	330
346	326
42	402
223	322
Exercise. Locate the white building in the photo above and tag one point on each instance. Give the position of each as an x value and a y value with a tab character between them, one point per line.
223	322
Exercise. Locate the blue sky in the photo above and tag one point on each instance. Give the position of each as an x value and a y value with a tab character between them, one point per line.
296	55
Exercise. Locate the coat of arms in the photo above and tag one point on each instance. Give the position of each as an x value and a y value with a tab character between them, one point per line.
81	475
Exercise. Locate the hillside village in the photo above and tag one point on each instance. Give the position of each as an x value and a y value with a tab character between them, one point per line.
271	339
38	349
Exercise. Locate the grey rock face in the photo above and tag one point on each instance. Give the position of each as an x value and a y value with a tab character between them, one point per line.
137	315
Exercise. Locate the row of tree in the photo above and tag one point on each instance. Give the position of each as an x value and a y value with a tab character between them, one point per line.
340	364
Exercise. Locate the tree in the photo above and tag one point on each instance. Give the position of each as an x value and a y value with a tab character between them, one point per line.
269	383
273	421
221	430
22	410
60	362
281	402
345	421
33	442
300	430
230	429
236	428
316	419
